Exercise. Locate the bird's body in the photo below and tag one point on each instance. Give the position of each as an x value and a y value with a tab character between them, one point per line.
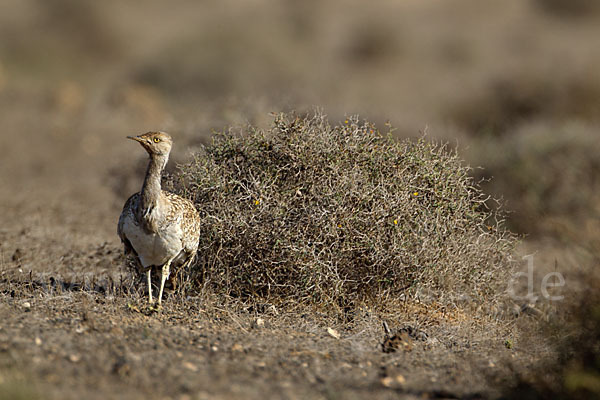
165	236
160	228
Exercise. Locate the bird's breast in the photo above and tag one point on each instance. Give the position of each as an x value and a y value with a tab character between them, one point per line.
153	248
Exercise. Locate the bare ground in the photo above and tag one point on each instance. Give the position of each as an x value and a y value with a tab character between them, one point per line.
91	344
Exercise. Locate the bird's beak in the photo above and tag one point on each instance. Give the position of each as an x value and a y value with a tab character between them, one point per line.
136	138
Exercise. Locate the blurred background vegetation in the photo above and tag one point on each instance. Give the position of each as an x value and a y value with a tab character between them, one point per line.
514	83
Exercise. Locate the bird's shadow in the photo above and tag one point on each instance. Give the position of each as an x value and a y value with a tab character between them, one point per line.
56	284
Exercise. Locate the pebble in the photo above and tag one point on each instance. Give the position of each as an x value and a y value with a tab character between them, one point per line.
189	366
333	333
388	381
237	347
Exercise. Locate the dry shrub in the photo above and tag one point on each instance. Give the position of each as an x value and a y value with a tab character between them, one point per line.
330	215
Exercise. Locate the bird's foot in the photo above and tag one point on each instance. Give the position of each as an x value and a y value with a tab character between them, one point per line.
148	309
154	306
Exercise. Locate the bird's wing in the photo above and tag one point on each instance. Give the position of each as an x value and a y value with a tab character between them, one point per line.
185	213
128	209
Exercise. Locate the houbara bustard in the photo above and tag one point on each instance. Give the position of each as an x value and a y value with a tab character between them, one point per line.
160	228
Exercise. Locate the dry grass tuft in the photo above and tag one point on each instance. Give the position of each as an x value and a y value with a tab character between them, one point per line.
332	215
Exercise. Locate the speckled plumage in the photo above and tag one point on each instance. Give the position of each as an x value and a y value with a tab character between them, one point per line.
158	227
181	217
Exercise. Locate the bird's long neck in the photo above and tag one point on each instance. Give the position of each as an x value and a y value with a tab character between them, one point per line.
151	189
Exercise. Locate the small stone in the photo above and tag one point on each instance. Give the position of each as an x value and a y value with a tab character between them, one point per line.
260	322
189	366
38	341
396	381
237	347
388	381
74	358
27	306
333	333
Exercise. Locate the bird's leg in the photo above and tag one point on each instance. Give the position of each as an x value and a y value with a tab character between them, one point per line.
184	266
163	278
188	261
149	276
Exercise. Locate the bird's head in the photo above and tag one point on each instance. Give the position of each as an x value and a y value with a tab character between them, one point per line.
155	143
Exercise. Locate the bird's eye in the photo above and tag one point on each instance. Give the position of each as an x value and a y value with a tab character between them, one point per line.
156	140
